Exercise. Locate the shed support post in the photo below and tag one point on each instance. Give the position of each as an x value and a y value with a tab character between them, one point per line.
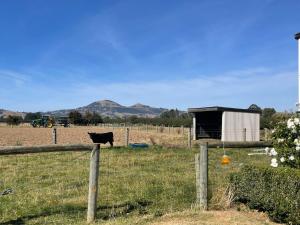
194	127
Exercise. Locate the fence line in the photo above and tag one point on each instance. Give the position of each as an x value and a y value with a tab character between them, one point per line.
14	150
94	167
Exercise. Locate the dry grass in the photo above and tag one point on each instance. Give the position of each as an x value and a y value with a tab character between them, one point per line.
27	136
230	217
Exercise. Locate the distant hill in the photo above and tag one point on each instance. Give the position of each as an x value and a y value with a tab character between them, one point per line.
113	109
5	113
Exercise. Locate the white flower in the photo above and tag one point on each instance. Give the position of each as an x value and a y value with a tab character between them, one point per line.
298	148
296	121
296	141
280	140
290	124
294	131
273	131
282	159
291	157
273	152
267	150
274	162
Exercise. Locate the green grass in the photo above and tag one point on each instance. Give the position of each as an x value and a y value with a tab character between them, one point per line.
51	188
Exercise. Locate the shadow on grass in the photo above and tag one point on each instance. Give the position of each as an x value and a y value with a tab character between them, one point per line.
104	212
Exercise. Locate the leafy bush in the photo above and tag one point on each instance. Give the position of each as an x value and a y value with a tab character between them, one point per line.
272	190
14	120
286	142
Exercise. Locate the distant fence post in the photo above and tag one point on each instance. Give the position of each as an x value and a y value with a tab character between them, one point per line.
189	138
201	166
182	130
126	136
245	134
54	136
147	128
93	183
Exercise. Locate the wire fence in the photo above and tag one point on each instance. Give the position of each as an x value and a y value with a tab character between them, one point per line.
55	184
52	187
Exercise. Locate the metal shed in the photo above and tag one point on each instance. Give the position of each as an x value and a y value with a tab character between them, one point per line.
226	124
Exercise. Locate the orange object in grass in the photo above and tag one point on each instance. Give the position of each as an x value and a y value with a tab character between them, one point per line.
225	160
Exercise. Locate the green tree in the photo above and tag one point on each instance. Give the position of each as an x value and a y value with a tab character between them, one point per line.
266	118
14	120
75	117
173	113
95	119
255	107
88	118
32	116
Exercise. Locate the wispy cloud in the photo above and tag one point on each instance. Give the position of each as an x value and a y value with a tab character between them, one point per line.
240	88
236	88
17	78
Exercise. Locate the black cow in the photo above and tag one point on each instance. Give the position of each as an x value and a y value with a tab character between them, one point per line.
102	138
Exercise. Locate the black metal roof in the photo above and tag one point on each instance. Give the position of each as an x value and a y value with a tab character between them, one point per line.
220	109
297	36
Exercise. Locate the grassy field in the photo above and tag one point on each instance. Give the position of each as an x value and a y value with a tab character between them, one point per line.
136	186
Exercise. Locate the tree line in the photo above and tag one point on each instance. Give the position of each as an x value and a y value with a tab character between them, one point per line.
268	118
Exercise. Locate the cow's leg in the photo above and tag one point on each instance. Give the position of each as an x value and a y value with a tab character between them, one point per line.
111	143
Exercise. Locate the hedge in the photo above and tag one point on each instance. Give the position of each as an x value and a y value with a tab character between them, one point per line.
272	190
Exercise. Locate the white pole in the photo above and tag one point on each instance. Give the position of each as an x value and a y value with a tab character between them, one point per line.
297	37
298	75
194	127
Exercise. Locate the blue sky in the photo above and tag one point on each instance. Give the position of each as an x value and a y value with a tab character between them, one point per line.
174	54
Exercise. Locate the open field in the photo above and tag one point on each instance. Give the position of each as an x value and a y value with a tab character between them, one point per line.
28	136
136	187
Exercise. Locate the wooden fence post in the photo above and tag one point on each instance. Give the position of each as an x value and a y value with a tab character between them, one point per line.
54	136
169	129
189	138
182	130
201	166
245	134
93	183
126	136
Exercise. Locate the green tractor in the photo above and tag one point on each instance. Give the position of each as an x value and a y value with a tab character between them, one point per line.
45	121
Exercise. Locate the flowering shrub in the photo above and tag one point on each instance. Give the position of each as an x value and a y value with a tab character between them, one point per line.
286	142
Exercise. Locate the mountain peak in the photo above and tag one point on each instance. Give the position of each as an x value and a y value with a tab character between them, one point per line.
107	103
139	105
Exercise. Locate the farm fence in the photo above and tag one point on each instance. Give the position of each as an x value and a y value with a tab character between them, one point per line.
54	185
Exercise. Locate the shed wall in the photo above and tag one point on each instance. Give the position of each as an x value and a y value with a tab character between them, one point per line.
233	124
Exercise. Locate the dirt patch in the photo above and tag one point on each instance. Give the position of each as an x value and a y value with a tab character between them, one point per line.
231	217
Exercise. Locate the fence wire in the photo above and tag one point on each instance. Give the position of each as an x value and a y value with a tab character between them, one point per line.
52	185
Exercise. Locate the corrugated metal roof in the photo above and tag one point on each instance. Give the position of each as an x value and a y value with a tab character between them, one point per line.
220	108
